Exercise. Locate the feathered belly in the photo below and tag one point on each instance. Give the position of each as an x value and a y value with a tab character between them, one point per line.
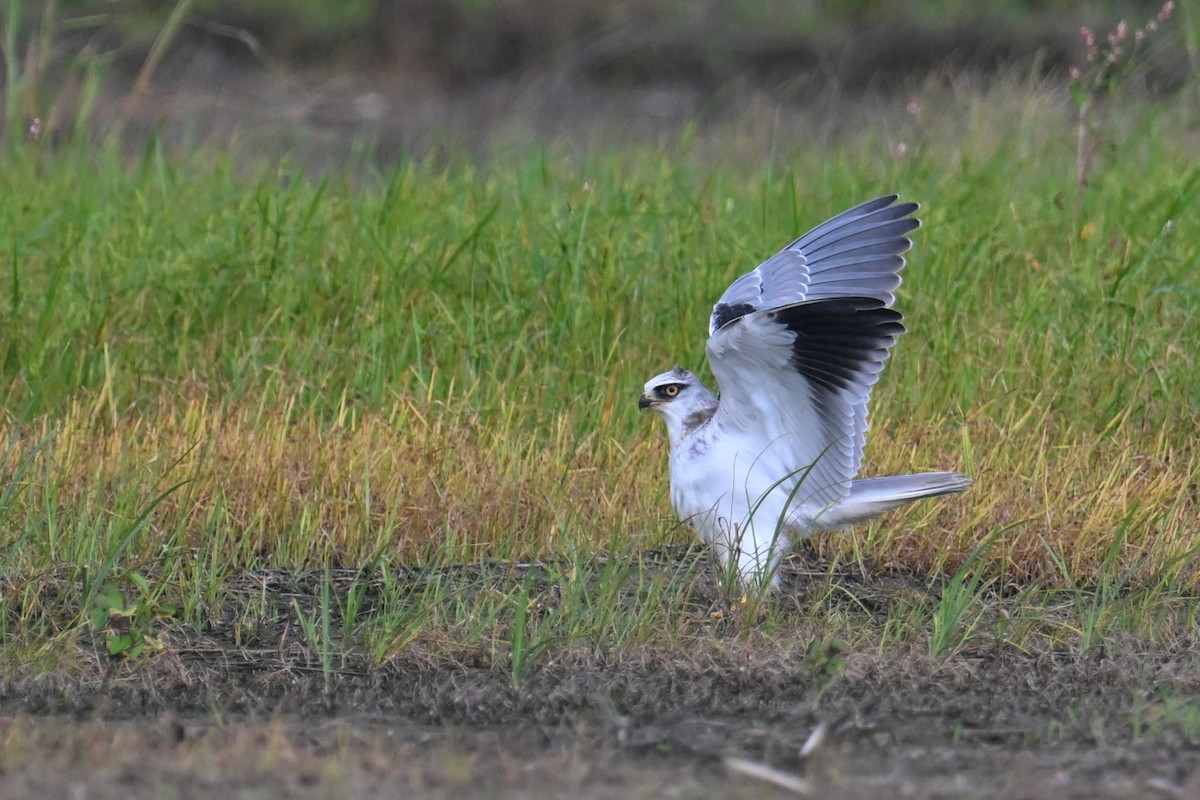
723	496
735	505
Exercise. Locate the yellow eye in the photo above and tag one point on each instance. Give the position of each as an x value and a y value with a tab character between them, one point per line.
671	389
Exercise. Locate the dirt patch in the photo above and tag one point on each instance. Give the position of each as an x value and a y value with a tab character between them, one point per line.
206	718
230	706
1038	698
249	657
372	757
636	729
348	757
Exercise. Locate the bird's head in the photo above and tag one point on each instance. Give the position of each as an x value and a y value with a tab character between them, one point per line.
680	397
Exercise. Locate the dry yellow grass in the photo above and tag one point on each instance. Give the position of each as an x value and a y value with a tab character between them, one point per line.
423	479
274	483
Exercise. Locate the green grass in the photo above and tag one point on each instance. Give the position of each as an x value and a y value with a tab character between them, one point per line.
209	368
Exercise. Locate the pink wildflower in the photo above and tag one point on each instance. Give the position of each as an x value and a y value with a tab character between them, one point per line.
1089	41
1165	13
1117	34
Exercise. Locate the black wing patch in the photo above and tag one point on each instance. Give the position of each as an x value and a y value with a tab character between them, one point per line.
843	342
724	313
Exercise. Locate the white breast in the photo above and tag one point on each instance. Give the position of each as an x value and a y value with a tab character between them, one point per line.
731	498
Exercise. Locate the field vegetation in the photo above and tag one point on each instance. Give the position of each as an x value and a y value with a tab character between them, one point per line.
209	372
383	418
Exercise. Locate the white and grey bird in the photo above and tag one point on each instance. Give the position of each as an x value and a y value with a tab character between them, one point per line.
796	346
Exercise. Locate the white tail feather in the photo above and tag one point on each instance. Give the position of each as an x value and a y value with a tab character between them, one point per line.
870	497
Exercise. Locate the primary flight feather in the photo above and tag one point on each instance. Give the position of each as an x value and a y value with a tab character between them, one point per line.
796	346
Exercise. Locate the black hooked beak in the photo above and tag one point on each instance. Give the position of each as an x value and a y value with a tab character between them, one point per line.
643	403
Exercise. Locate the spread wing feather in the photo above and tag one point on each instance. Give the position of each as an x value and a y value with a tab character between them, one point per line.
794	379
798	343
858	253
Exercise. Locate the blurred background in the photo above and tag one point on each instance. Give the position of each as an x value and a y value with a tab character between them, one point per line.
382	79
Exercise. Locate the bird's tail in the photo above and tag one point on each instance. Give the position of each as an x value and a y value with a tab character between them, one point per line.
870	497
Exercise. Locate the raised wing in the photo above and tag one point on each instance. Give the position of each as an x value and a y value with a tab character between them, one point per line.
858	253
795	383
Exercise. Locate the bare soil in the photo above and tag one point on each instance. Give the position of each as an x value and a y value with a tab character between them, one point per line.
210	717
652	725
379	756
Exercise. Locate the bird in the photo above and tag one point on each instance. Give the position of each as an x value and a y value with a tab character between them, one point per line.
796	345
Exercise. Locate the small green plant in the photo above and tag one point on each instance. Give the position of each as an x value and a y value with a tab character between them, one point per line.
963	593
317	628
128	620
526	644
825	661
1109	598
351	608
